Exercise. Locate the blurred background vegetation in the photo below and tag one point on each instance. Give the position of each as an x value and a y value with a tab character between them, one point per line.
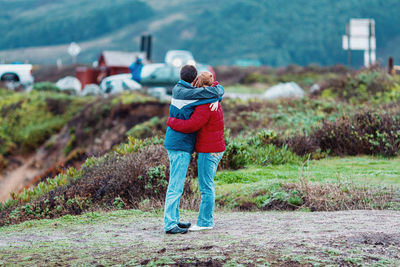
277	32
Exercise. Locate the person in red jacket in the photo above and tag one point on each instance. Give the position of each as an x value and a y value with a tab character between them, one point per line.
210	144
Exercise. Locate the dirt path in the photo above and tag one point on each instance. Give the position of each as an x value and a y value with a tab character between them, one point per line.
17	179
348	238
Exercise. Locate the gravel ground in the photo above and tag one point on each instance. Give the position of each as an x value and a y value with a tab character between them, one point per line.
345	238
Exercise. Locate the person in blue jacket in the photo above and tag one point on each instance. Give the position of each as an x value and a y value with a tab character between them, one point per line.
180	146
136	69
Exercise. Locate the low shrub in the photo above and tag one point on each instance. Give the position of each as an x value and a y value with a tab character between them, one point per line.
128	97
48	113
236	154
44	187
342	196
272	155
364	133
303	195
3	163
257	77
156	126
368	85
259	149
281	200
46	86
115	181
273	196
134	144
302	145
284	117
368	133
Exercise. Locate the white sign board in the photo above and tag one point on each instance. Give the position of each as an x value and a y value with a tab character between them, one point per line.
361	27
360	35
359	43
74	49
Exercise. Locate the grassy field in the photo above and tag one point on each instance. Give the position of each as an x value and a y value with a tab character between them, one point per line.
363	170
374	182
246	89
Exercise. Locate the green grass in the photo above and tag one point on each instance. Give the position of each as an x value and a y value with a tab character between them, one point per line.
131	97
48	113
256	185
285	117
246	89
370	170
86	218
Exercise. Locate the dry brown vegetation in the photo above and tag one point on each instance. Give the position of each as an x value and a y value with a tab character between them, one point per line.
114	182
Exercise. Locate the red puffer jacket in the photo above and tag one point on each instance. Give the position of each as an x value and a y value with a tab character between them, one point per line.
210	127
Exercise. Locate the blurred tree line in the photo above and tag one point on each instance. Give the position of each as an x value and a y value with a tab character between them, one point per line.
282	32
277	32
25	23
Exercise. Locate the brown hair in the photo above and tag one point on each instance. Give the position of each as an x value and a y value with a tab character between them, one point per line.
205	78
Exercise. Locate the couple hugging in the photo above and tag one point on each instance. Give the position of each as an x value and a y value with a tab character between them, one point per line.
196	123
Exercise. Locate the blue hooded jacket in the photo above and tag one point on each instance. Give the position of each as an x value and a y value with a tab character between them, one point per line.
185	98
136	69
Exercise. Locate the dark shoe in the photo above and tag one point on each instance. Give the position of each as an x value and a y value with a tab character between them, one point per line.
184	225
177	230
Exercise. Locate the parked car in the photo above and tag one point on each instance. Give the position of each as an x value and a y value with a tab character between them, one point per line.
14	75
118	83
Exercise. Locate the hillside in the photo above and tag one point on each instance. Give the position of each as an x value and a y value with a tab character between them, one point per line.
275	32
280	145
36	23
330	160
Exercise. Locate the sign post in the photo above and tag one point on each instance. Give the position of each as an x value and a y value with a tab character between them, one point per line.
74	49
348	45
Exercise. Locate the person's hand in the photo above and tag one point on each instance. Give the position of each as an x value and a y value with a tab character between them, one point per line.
214	106
194	82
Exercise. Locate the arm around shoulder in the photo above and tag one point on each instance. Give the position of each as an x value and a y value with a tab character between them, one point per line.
198	119
204	92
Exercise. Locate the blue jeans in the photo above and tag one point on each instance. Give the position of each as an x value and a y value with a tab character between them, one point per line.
178	165
207	167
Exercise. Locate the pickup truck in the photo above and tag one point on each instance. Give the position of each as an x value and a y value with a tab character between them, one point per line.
14	75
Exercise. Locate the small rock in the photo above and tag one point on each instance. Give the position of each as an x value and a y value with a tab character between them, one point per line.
284	90
69	83
315	88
